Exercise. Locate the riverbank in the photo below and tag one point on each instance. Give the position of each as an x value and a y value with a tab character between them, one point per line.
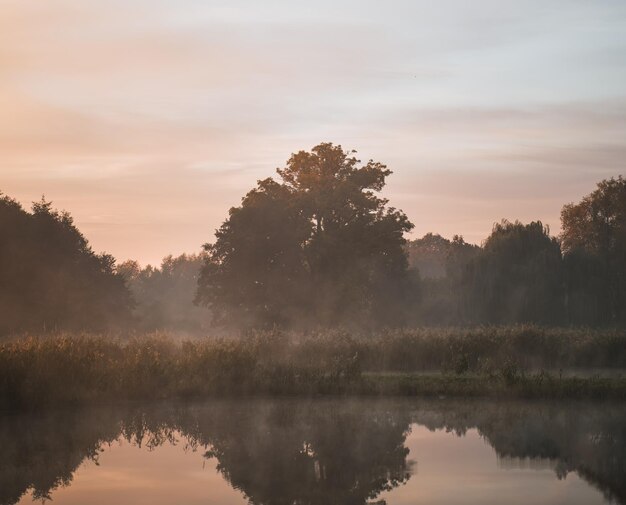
489	362
544	385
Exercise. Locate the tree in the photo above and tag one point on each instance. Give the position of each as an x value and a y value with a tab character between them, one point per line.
428	255
441	264
50	278
594	243
319	244
517	277
164	295
255	270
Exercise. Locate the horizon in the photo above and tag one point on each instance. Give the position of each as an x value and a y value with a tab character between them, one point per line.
147	124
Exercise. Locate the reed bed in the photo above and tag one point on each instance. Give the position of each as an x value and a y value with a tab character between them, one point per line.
48	370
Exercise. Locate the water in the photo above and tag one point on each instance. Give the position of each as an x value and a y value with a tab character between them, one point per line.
337	451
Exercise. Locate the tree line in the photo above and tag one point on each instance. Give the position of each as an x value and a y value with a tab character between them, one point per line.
50	278
164	295
318	246
523	274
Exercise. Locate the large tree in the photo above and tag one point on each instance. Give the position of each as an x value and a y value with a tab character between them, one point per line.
317	245
594	242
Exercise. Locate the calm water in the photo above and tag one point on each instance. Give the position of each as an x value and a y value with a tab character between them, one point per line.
318	452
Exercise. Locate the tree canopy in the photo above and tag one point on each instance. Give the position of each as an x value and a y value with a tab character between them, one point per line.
164	295
521	274
441	265
518	276
594	241
319	244
50	278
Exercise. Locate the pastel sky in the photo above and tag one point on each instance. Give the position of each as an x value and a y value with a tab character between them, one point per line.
148	119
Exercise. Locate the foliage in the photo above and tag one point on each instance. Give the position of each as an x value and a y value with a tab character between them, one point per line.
517	277
319	246
521	274
50	278
164	295
440	264
594	241
255	271
436	257
35	372
492	348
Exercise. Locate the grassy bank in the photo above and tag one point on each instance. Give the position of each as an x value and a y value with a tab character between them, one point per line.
521	361
542	384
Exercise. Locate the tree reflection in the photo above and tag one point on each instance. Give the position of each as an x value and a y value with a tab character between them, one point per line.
314	451
40	453
311	453
589	439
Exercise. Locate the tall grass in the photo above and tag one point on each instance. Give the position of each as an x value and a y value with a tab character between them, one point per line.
67	368
36	371
484	349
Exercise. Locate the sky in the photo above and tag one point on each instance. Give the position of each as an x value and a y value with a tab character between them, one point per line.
148	119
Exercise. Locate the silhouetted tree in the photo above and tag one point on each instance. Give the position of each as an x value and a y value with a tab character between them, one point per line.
49	276
319	245
517	277
256	270
594	242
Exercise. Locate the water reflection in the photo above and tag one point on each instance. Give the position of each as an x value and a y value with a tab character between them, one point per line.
587	439
316	451
307	454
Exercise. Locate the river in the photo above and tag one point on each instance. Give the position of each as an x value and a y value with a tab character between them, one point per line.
317	451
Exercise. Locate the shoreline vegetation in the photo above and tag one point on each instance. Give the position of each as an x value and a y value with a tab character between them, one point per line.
501	362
